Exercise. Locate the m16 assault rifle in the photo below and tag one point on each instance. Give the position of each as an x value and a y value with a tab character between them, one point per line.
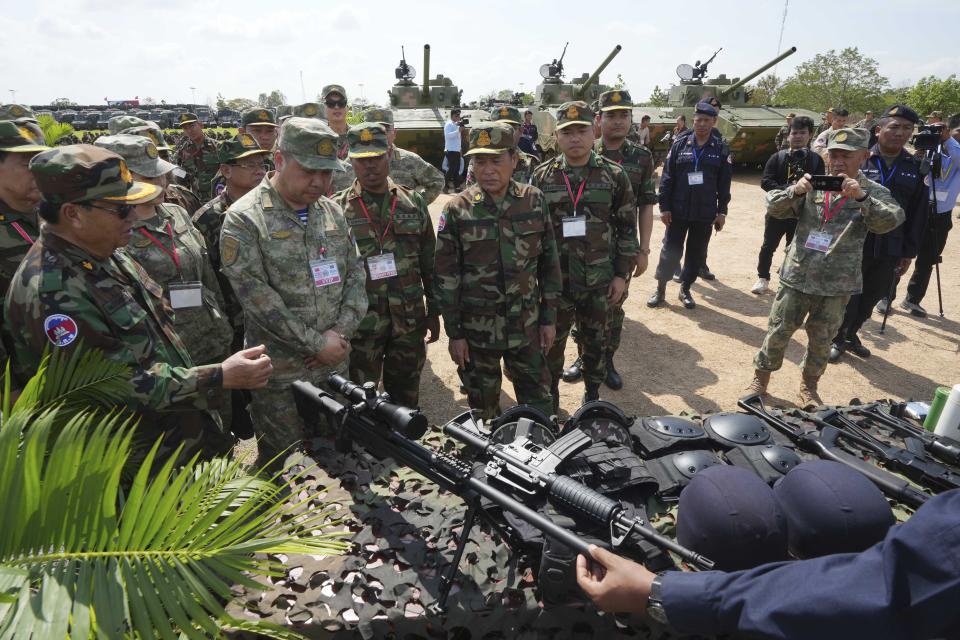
386	430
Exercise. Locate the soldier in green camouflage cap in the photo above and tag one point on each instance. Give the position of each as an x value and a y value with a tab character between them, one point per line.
262	125
497	275
293	263
616	116
75	288
18	113
596	230
526	163
197	155
395	236
335	100
308	110
406	167
822	267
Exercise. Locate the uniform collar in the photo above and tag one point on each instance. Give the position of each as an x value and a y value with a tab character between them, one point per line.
356	190
158	221
592	161
875	153
8	215
68	253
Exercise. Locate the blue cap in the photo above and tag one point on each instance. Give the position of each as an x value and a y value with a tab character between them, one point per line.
706	109
729	515
831	508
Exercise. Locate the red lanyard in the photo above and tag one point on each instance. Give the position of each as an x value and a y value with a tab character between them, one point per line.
23	234
828	209
393	208
576	200
172	252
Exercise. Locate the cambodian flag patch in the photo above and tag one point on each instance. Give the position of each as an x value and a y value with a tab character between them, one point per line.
442	223
61	330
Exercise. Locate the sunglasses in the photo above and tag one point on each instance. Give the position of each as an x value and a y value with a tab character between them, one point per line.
123	212
336	104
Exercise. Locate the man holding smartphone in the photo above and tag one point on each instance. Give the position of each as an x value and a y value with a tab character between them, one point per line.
822	268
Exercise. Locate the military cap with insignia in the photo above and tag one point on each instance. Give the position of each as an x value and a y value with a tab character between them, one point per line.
901	111
120	124
308	110
139	152
574	113
150	130
616	99
707	109
240	146
333	88
258	115
849	139
21	137
491	138
187	118
506	113
83	172
935	114
367	140
383	116
310	142
17	112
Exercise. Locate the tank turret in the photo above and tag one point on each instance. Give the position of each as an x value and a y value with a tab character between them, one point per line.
434	92
553	91
694	86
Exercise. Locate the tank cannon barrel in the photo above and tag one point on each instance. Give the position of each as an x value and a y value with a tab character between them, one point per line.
750	76
425	95
596	74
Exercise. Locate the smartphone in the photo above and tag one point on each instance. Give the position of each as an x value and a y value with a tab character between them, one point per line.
827	183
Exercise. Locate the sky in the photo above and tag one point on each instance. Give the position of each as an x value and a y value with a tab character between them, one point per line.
88	50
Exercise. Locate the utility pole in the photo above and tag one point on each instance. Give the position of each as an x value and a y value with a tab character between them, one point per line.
193	96
13	96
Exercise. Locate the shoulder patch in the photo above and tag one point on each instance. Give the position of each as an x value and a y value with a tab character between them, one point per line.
443	222
229	247
61	330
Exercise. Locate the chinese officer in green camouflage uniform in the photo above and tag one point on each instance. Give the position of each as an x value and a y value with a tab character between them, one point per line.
596	231
497	277
406	167
616	114
395	236
75	288
822	267
197	155
293	264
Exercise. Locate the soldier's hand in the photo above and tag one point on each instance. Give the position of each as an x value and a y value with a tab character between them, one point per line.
615	290
459	352
247	369
335	351
640	264
614	584
851	188
803	185
666	217
433	329
548	335
719	221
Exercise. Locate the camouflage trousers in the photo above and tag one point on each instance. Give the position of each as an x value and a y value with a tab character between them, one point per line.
399	358
589	310
615	318
819	315
528	371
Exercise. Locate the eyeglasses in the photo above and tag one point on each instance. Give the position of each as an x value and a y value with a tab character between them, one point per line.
123	212
252	166
336	104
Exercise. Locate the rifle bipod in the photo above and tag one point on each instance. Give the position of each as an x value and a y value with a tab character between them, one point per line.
446	580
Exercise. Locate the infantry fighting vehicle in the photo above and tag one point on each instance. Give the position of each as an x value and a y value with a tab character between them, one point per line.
748	129
420	111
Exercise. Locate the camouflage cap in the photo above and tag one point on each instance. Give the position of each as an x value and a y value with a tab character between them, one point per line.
258	115
574	113
333	88
21	137
491	137
935	114
187	118
506	113
139	152
310	142
150	130
383	116
901	111
308	110
16	112
616	99
240	146
120	124
82	172
848	139
367	140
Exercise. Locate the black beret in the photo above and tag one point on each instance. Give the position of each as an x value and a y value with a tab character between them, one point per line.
901	111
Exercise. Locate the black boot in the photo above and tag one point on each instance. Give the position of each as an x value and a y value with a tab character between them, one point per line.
657	298
706	274
686	298
591	393
614	381
574	372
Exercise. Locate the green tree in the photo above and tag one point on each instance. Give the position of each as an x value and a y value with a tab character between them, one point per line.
934	94
764	91
63	103
273	99
846	79
658	98
53	130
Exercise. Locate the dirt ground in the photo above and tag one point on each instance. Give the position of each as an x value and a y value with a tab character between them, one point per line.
675	360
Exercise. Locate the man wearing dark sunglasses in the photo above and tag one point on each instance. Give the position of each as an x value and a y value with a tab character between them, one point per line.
335	99
75	288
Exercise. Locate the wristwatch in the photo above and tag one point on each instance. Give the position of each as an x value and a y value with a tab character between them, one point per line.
655	603
645	252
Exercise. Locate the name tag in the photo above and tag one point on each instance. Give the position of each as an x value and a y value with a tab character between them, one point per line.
185	295
942	195
325	272
818	241
574	226
382	266
695	177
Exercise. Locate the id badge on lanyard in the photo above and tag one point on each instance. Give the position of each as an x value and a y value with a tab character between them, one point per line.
574	226
382	266
695	177
185	295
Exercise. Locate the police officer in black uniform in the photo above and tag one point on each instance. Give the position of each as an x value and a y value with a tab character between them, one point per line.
887	256
693	198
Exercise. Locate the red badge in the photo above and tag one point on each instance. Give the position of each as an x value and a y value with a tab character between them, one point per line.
442	223
61	330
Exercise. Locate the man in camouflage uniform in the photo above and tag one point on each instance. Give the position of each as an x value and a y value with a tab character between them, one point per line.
335	100
74	288
262	125
616	113
526	163
406	167
822	267
497	276
293	264
596	231
395	236
782	141
197	156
